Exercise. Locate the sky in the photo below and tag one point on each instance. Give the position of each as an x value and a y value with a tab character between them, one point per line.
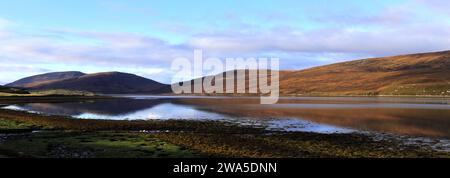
144	36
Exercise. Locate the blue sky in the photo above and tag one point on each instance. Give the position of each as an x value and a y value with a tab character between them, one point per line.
143	36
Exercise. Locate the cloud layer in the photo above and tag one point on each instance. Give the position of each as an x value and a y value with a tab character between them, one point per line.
411	27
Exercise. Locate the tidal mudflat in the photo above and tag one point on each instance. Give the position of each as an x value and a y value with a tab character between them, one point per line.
219	127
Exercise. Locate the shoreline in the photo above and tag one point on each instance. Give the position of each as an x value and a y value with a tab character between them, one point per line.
217	95
4	100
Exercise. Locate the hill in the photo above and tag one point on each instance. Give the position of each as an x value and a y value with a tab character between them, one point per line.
37	80
415	74
107	83
10	90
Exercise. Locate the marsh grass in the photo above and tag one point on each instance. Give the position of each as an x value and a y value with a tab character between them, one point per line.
92	145
295	145
8	92
8	124
68	123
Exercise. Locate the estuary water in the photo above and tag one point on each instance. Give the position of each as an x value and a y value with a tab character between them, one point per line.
418	117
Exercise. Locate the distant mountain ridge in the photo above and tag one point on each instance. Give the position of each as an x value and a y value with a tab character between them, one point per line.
414	74
102	83
42	79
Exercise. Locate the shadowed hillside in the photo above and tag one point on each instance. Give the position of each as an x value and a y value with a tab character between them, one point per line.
37	80
108	83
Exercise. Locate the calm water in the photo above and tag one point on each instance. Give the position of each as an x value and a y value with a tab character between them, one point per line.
429	117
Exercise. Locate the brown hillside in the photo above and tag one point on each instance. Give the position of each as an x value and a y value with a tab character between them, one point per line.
417	74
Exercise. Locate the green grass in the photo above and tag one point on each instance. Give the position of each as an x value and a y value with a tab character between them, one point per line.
92	145
418	89
9	90
62	92
67	123
61	144
58	92
12	94
8	124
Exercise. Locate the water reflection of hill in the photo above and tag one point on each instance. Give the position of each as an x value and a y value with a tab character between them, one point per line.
432	120
404	121
103	107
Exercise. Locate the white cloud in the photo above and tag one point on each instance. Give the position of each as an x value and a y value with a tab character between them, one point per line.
132	53
3	34
4	23
394	40
108	48
395	30
436	6
11	72
409	27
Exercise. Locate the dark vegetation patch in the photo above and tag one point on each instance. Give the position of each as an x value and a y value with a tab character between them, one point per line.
295	145
12	90
91	145
54	98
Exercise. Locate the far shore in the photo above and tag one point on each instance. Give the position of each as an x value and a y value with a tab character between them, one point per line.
49	98
82	94
15	99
